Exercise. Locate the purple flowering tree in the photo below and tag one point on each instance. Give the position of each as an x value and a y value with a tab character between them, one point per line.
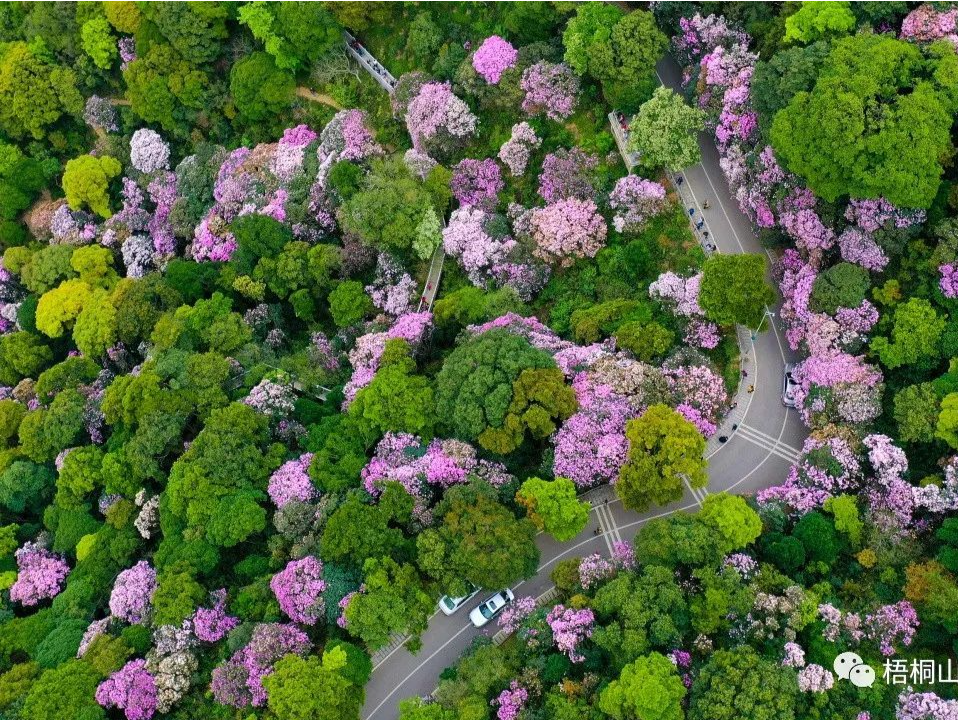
511	702
132	596
551	89
298	589
517	150
477	182
148	152
132	689
493	58
570	628
567	174
436	113
634	201
567	230
291	482
40	575
213	624
467	238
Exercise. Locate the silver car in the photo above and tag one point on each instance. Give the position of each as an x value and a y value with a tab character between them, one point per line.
491	607
449	605
789	386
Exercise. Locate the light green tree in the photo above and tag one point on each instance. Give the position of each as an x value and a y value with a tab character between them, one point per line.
665	131
647	689
734	289
553	507
818	20
98	42
914	337
86	181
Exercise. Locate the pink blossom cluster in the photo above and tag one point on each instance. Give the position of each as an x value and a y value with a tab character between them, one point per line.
132	689
873	214
634	201
239	681
368	349
436	110
538	334
298	588
392	289
526	278
683	292
290	153
699	35
847	626
567	174
567	230
859	247
213	624
477	182
348	137
595	568
591	447
837	387
291	482
516	613
808	230
517	150
466	238
510	702
94	630
744	565
940	498
550	88
891	624
948	282
826	468
343	604
699	394
794	655
132	596
815	678
570	627
891	498
925	706
493	58
40	574
273	398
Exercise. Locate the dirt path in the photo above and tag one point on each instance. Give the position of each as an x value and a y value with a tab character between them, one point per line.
305	92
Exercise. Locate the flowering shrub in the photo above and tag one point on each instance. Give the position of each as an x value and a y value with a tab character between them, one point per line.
567	230
346	137
132	689
550	88
436	111
298	589
493	58
272	398
477	182
239	681
925	706
635	200
567	174
591	447
291	482
517	150
40	575
393	288
514	614
132	596
595	568
511	702
815	678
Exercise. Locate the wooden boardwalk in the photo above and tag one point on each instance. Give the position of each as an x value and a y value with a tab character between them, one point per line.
369	63
631	159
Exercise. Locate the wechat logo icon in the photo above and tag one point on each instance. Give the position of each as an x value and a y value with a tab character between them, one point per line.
850	666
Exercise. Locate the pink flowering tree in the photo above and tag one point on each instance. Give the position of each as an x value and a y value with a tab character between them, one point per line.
634	201
567	174
291	482
470	237
131	689
40	575
436	116
517	150
348	137
551	89
477	182
925	706
213	624
511	702
298	589
567	230
570	628
815	678
493	58
132	596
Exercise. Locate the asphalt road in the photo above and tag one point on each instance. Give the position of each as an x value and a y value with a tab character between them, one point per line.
757	455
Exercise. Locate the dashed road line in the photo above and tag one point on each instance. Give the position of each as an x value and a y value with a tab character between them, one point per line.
780	449
696	494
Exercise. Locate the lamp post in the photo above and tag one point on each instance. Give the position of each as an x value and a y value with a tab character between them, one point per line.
767	314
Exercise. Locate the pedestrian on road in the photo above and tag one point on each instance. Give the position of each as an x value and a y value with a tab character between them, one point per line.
734	426
744	372
705	205
705	234
691	212
723	438
597	531
679	180
751	388
700	224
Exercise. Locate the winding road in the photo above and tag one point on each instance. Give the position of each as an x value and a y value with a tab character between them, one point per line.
757	455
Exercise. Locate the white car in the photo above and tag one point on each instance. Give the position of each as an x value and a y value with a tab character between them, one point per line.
449	605
491	607
788	387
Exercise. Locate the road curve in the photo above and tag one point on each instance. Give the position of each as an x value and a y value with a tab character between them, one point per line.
757	455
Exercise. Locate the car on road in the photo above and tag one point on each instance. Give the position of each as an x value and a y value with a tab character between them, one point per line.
491	607
789	386
449	605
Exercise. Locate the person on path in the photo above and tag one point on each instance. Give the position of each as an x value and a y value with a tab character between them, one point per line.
751	388
705	205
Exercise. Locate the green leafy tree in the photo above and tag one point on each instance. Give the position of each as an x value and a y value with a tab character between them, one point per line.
86	181
259	88
308	689
734	289
779	78
916	412
47	431
474	388
396	400
94	331
64	693
349	303
647	341
415	708
817	20
841	285
478	541
196	31
389	208
22	354
11	414
665	132
294	33
736	525
540	401
680	539
739	683
845	511
394	602
877	122
356	531
60	307
25	487
665	450
34	93
553	507
648	689
947	426
817	535
914	338
98	42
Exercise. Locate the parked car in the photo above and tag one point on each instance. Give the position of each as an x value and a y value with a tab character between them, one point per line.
789	386
449	605
491	607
